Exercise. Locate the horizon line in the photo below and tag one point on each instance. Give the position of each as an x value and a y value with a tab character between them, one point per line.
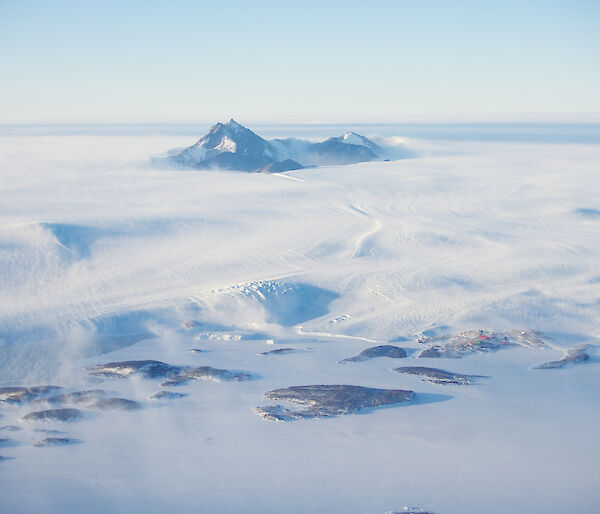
457	119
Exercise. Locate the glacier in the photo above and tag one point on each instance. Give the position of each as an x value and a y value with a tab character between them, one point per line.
107	258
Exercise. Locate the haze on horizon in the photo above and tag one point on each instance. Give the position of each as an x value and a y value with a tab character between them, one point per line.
309	61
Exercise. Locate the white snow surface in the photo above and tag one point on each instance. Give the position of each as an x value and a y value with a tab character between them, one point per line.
226	145
104	258
195	153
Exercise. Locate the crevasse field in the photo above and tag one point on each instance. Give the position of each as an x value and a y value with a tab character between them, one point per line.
105	258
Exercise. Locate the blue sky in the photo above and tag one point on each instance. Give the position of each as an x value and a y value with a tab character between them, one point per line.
327	61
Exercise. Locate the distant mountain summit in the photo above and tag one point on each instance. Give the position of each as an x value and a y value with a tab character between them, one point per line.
231	146
352	138
346	149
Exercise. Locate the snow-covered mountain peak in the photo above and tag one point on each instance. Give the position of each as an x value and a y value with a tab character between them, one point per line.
352	138
232	146
234	125
225	137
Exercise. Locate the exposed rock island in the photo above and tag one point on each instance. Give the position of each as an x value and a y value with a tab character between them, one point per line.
318	401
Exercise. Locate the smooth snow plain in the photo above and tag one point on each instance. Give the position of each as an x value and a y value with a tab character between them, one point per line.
104	258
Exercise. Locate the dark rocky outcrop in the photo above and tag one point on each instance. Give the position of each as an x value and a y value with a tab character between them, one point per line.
116	404
438	376
328	400
167	395
146	368
384	350
573	355
279	351
54	415
474	341
76	397
207	373
175	374
56	441
25	394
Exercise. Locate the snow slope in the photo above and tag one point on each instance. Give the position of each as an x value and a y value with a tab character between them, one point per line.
105	258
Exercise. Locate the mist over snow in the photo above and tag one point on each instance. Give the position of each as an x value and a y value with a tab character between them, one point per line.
107	259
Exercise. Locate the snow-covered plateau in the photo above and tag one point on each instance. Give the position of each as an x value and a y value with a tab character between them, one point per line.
420	332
